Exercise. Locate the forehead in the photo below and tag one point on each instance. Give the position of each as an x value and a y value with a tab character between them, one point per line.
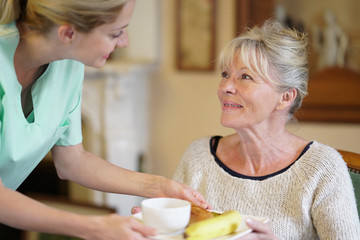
240	61
237	65
125	14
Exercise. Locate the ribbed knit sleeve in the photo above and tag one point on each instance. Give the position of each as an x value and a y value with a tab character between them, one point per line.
313	199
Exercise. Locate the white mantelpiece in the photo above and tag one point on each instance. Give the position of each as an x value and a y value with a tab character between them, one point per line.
115	116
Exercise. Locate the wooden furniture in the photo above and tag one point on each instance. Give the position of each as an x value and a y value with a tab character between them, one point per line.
252	12
353	162
333	96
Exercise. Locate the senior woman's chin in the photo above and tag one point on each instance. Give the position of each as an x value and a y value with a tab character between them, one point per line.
229	122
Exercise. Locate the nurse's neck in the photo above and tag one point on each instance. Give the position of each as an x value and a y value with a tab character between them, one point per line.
32	55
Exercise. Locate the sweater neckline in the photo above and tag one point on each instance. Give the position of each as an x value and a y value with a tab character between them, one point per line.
214	141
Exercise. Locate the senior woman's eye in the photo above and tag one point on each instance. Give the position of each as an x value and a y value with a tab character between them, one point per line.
245	76
225	75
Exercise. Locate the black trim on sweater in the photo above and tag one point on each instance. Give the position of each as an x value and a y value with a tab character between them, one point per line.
214	141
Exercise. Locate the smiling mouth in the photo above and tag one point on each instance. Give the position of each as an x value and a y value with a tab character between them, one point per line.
232	105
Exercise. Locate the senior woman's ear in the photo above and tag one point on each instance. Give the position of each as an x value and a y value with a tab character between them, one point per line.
286	99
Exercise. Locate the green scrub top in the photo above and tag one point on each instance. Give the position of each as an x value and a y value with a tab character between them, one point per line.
56	115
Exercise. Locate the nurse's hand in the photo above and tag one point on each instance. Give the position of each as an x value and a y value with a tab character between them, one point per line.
135	210
174	189
114	227
188	191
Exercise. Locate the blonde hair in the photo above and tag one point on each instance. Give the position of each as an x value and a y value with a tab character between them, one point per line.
9	10
276	53
42	15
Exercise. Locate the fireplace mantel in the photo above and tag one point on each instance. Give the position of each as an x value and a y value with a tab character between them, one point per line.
115	120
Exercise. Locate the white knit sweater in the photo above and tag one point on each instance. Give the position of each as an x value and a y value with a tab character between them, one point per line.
313	199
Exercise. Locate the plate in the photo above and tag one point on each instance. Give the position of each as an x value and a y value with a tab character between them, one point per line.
241	231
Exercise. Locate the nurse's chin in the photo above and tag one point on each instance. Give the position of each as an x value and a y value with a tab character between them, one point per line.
98	64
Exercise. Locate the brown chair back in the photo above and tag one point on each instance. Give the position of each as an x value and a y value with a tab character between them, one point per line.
353	162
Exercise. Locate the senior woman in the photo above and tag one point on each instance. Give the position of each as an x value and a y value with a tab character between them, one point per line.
302	186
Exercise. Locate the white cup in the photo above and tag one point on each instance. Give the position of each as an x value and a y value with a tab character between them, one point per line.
167	215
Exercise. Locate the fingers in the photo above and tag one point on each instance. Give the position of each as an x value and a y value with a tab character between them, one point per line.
196	198
141	228
135	210
201	201
114	226
171	188
256	225
260	231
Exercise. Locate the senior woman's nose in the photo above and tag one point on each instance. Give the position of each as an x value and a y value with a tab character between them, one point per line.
228	86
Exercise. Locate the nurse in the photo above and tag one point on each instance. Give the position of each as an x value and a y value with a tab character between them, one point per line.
44	46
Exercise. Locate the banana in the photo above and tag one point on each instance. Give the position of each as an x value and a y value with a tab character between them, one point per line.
221	225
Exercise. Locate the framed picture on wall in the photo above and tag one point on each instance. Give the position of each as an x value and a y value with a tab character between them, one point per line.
195	34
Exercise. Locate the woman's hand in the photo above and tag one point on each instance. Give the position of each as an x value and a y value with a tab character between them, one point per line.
114	227
171	188
174	189
261	231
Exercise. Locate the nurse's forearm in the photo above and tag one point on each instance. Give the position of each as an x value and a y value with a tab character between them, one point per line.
75	164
